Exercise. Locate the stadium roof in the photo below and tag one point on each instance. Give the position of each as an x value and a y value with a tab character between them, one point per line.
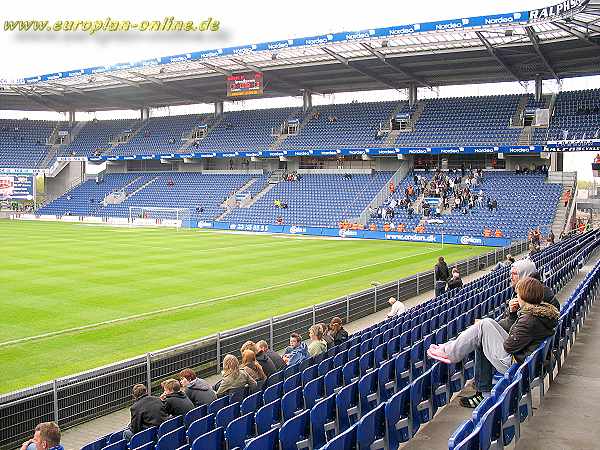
555	42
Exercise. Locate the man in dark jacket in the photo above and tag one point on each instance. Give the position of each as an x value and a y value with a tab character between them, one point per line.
147	411
176	402
535	322
272	355
441	274
196	389
265	362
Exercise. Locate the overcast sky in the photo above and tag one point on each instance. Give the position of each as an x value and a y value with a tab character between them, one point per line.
27	54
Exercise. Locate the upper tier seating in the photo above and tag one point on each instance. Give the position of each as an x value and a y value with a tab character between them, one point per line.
23	142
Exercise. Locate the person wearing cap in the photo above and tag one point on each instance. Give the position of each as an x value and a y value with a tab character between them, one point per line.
397	308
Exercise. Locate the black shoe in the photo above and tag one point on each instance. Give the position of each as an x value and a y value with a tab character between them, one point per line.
473	401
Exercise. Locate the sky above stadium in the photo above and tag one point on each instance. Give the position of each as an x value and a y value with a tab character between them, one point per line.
27	54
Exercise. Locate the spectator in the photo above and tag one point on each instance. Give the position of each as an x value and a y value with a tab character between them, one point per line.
45	437
508	261
147	411
265	362
233	377
271	354
567	197
317	344
251	367
325	335
550	239
442	274
296	352
397	308
533	249
455	282
337	331
196	389
176	402
526	268
498	345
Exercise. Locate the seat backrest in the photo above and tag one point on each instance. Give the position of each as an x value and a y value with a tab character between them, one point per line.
313	391
213	440
200	427
226	414
171	440
118	445
347	402
371	431
294	434
292	402
343	441
169	425
251	403
143	437
333	379
292	382
323	420
195	414
272	393
397	416
460	434
217	404
240	430
266	441
267	416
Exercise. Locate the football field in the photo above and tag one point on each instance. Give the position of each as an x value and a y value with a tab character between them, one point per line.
75	296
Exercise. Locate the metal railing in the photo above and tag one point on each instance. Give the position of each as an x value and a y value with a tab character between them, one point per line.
82	397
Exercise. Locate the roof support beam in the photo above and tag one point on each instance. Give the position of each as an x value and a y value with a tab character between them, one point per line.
535	41
586	26
96	98
492	51
122	80
37	98
173	90
578	34
216	68
246	65
366	72
394	66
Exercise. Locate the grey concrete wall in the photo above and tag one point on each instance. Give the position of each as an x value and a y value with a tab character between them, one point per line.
58	185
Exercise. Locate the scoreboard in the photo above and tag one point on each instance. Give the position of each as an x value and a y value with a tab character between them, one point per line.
242	84
17	187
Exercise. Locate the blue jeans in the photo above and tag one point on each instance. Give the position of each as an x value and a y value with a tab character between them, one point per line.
440	287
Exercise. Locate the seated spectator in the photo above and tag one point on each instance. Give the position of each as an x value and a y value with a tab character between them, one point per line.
251	367
296	352
317	345
337	331
196	389
455	282
176	402
508	261
147	411
265	362
233	377
271	354
533	249
397	308
45	437
324	333
497	346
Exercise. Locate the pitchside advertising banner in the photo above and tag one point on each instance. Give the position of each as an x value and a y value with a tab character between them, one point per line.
356	234
17	186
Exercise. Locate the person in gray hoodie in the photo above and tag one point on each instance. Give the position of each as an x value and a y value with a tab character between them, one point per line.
196	389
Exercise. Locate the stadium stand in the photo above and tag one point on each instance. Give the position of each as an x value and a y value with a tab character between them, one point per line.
23	142
524	201
379	387
170	189
484	120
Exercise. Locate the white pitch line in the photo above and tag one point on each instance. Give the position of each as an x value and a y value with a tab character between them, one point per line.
203	302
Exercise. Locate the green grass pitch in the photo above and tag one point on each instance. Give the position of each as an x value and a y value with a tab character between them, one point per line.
60	276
